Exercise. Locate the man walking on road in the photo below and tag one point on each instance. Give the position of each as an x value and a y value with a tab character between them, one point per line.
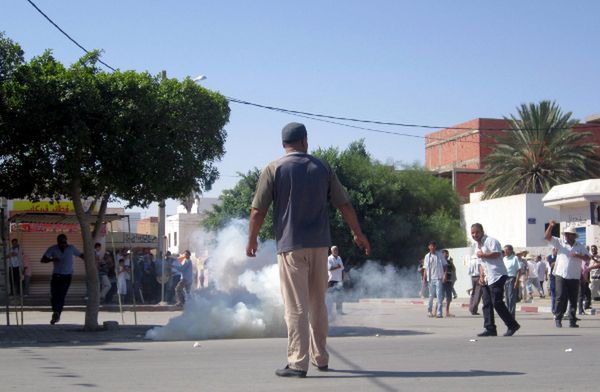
436	270
301	187
61	255
493	276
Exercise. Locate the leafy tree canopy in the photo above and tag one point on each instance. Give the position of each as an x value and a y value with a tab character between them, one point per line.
539	150
79	133
399	210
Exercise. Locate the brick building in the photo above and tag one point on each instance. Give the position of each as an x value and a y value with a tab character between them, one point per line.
148	226
458	153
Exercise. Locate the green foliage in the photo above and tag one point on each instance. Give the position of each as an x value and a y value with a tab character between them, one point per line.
539	151
399	210
124	134
80	133
236	204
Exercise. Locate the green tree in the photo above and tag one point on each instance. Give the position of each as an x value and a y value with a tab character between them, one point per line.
399	210
539	150
235	204
84	134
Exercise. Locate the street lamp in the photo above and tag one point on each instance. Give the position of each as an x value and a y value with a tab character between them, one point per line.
199	78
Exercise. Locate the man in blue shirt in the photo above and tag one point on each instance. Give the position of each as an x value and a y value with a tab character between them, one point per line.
185	284
61	255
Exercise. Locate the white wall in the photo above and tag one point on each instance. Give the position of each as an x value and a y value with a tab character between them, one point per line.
190	234
510	219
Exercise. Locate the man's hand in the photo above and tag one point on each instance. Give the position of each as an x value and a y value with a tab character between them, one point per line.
251	247
363	243
480	254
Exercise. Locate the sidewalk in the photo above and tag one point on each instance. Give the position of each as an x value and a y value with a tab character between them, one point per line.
37	330
538	305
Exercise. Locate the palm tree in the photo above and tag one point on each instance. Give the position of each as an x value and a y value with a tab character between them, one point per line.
539	150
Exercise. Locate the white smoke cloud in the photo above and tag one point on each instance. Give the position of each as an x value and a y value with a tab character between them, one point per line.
374	280
246	302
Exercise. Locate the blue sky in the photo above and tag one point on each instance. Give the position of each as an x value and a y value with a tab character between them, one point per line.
423	62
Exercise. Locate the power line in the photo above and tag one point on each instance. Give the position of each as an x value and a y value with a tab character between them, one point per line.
329	118
67	35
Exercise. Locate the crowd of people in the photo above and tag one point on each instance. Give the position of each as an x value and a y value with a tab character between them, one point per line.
501	277
145	279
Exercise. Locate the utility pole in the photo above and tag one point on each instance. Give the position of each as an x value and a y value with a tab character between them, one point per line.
161	211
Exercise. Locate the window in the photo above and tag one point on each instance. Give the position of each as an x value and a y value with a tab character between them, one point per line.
175	239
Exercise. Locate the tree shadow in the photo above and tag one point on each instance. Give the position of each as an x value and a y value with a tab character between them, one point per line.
349	331
338	373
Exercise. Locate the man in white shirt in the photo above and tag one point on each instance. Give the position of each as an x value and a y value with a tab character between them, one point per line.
493	275
533	279
435	266
542	272
567	272
335	268
475	286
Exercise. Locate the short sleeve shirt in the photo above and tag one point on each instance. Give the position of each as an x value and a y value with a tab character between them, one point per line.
567	266
300	187
65	264
434	265
512	265
335	275
494	268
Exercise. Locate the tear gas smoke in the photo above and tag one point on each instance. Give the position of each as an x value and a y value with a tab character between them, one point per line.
245	300
374	280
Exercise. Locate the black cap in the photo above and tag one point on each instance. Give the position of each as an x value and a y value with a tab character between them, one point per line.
293	132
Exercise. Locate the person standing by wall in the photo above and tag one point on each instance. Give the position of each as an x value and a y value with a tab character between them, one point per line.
513	273
61	255
449	292
567	272
16	267
475	291
300	186
335	275
436	270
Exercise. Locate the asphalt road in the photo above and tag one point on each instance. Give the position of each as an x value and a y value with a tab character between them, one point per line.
374	347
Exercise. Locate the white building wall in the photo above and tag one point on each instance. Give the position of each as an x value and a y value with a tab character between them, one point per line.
517	220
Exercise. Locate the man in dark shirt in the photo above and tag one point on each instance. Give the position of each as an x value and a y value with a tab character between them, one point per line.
300	187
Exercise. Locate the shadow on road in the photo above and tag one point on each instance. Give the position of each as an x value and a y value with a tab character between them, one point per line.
342	331
409	374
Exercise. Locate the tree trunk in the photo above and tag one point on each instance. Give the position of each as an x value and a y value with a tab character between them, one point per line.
91	272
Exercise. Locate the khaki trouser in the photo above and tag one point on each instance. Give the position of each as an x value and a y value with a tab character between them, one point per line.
303	276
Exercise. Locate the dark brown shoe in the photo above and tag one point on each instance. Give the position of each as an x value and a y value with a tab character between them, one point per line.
288	372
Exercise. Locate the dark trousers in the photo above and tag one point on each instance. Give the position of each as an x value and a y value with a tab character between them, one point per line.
553	293
15	281
512	293
493	299
475	294
585	296
59	285
566	290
